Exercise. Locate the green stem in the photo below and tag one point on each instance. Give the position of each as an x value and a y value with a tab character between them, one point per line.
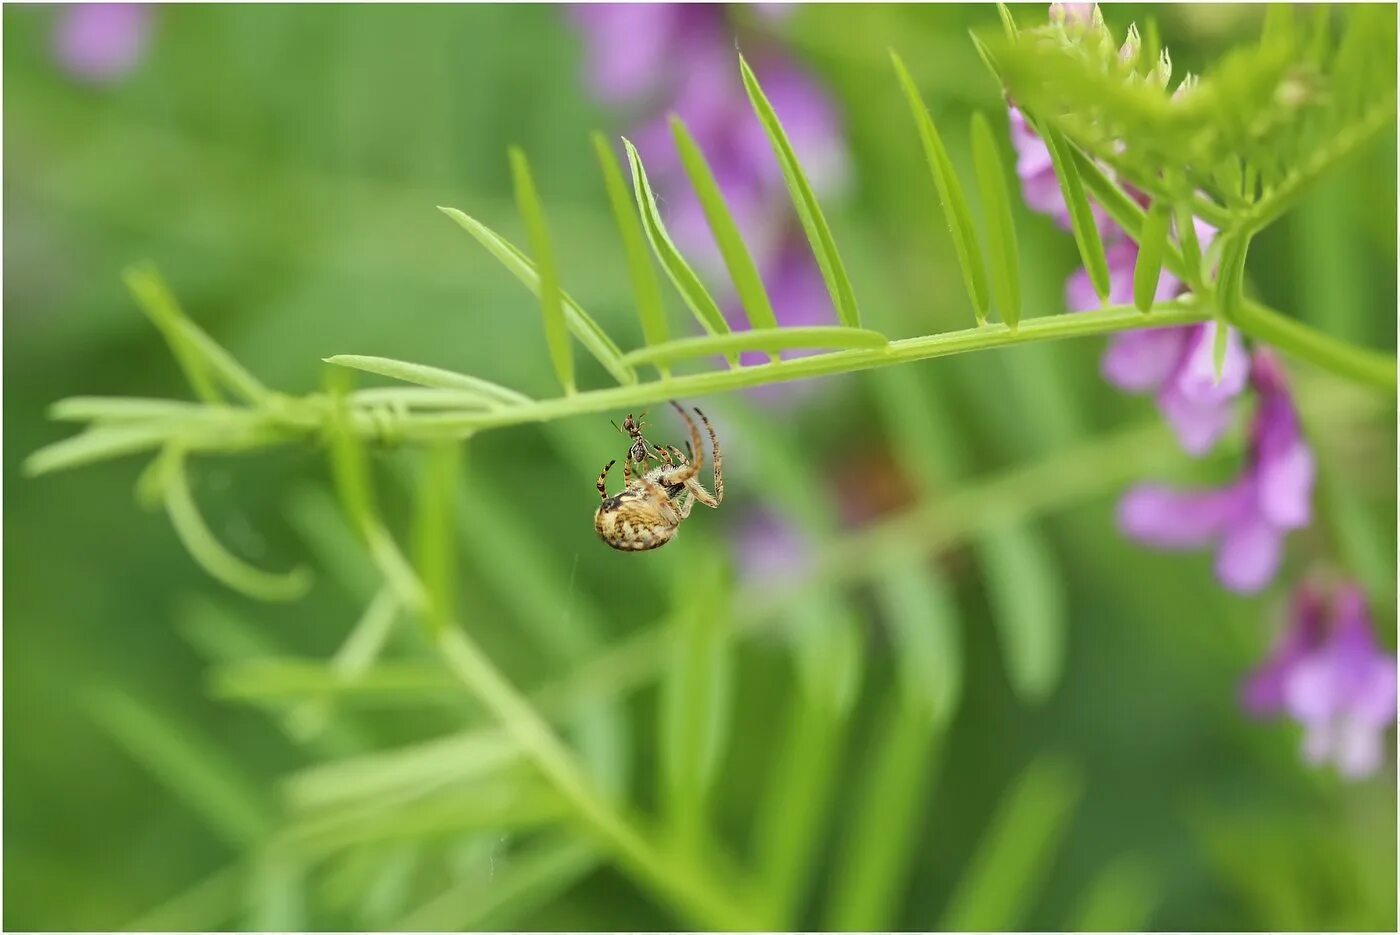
687	887
1363	365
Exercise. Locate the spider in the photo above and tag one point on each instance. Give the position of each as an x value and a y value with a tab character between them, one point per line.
649	510
632	428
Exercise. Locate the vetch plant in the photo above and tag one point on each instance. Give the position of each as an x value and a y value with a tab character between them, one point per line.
1163	191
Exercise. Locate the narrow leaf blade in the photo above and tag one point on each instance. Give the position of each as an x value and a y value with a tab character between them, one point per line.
1151	246
1081	214
556	331
646	290
423	375
1001	228
950	193
692	290
589	333
1028	605
742	271
809	210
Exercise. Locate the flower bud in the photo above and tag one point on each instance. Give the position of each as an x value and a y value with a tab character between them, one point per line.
1132	48
1162	72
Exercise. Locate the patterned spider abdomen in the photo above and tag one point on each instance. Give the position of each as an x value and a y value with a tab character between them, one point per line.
630	522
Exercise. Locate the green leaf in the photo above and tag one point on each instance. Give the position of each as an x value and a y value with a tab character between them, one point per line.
1001	228
269	679
1120	898
1008	23
796	801
435	541
883	824
692	290
1081	215
96	444
207	906
1151	246
646	290
950	193
201	358
434	377
809	210
748	285
213	557
556	331
1229	282
194	771
923	622
589	333
1015	854
1028	607
694	721
817	336
128	409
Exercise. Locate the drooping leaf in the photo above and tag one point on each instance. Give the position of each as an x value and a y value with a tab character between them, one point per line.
1028	607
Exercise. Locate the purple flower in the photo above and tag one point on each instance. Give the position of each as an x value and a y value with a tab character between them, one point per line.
1176	364
769	549
1327	673
691	71
1248	519
101	42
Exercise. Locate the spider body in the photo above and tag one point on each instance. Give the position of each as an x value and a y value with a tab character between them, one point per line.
648	511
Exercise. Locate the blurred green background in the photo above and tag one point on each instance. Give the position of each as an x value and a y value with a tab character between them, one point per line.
281	164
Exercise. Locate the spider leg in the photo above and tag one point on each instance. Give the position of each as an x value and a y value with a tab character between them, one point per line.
626	472
658	497
685	503
687	471
718	459
693	487
603	480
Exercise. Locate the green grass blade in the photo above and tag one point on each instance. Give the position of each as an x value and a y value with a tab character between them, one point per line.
351	660
1008	23
279	679
1016	853
501	902
589	333
797	800
1028	607
96	444
817	336
205	907
129	409
1081	214
556	331
923	622
876	858
434	377
748	285
1001	228
701	304
950	193
646	289
435	539
194	771
1151	245
809	210
694	719
1120	898
210	555
199	356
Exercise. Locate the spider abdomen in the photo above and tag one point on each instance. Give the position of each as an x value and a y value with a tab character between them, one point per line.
631	524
